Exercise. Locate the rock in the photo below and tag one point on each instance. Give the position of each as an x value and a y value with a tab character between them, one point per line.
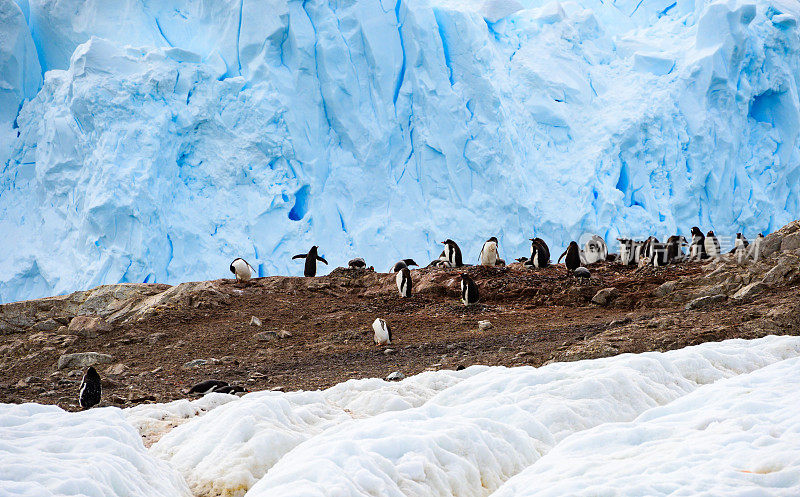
484	325
196	363
82	360
266	336
229	359
254	321
605	296
284	334
62	330
619	322
707	301
47	325
749	291
88	326
389	351
116	369
777	275
790	242
154	338
666	288
395	376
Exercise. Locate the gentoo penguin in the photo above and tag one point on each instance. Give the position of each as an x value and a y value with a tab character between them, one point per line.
311	261
357	263
230	389
594	250
241	269
741	241
469	290
500	262
452	253
582	274
90	389
675	245
754	250
383	334
625	251
711	245
401	264
489	255
649	250
573	256
540	253
403	280
697	250
205	387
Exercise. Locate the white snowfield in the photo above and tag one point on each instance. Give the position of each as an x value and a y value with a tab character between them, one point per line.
718	419
157	140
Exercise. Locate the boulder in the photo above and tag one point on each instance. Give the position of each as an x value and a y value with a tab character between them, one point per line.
702	302
605	296
80	360
88	326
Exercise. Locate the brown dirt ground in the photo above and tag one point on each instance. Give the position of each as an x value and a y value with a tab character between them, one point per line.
537	316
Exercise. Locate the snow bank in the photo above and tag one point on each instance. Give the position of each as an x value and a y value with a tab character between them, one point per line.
736	437
197	132
45	451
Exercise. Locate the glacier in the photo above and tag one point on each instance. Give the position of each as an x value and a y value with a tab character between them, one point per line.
155	141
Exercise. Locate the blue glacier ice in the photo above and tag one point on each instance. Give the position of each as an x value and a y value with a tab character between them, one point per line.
157	140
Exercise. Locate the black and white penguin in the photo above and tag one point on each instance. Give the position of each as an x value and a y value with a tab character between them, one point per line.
573	256
383	334
357	263
401	264
697	250
540	253
311	261
403	280
205	387
91	389
242	269
595	250
741	241
230	389
452	253
712	245
675	245
754	250
626	251
489	255
469	290
582	274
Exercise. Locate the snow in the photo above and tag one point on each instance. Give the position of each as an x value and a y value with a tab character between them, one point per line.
159	140
45	451
714	419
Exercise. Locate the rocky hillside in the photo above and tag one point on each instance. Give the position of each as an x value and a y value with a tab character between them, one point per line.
151	341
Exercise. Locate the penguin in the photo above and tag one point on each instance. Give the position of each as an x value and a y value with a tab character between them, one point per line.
90	391
500	263
357	263
311	262
697	250
489	255
205	387
401	264
741	241
230	389
383	334
754	250
469	290
582	274
675	245
650	250
626	251
711	245
638	247
403	280
452	253
595	250
540	253
241	269
573	258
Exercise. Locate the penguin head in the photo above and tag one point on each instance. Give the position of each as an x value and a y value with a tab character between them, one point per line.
449	242
493	239
696	231
573	245
91	374
313	249
710	233
739	236
761	235
410	262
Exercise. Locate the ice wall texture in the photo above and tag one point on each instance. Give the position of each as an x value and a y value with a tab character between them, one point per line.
170	137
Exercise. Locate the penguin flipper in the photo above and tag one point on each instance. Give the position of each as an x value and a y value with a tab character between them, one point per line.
322	259
299	256
562	256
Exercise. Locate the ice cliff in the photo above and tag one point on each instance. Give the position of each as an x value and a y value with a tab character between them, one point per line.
158	140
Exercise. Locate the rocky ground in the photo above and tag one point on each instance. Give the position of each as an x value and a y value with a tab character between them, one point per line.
151	341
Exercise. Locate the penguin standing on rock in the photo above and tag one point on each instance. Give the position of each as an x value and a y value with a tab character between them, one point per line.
573	256
540	253
357	263
712	245
311	261
452	253
241	269
469	290
489	255
698	248
740	242
383	334
403	280
91	389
